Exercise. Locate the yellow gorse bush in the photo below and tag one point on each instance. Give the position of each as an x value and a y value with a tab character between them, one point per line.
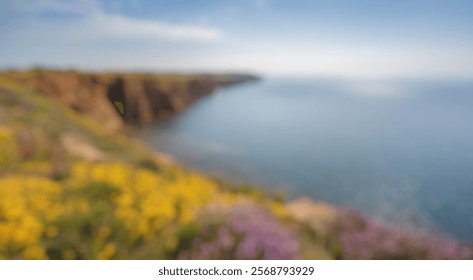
145	201
27	206
101	211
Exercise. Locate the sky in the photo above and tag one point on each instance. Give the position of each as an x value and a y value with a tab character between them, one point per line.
343	38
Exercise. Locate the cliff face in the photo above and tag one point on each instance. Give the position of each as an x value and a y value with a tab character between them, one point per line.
117	99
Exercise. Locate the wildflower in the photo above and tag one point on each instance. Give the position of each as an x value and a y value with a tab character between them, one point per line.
245	232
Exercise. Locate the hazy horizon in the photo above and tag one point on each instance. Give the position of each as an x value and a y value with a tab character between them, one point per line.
362	39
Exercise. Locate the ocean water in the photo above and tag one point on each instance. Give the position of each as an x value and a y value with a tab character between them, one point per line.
398	150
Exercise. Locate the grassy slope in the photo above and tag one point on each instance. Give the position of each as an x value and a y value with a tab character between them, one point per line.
114	198
33	155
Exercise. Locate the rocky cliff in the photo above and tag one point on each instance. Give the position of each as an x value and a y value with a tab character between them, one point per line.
117	99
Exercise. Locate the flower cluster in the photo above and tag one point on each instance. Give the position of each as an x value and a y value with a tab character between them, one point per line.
362	238
28	205
99	211
245	231
145	201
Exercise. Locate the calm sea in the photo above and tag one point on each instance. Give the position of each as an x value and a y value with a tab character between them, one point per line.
400	150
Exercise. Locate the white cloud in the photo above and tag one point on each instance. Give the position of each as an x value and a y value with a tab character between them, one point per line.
121	27
93	23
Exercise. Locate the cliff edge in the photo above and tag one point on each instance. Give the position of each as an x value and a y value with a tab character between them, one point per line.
114	99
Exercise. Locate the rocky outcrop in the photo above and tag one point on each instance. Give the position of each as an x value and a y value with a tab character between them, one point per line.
117	99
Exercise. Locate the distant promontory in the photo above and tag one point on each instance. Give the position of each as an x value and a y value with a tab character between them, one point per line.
115	99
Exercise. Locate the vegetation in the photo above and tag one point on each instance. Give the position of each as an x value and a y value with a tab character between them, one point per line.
70	190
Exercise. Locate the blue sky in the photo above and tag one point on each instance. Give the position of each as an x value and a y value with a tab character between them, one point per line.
356	38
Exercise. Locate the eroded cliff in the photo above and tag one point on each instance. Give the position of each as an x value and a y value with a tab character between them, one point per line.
117	99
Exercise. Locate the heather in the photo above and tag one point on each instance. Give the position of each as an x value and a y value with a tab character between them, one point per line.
244	231
357	237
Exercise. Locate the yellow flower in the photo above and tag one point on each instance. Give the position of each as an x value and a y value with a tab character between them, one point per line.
34	252
25	202
107	252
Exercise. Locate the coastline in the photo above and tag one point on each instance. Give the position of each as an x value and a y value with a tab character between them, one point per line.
121	100
87	150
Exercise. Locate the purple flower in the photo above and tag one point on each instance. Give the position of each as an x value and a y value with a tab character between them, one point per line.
244	232
362	238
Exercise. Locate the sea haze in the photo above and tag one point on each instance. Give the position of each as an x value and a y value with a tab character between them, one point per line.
399	150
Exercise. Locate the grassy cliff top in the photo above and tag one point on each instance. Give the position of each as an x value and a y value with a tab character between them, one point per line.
164	76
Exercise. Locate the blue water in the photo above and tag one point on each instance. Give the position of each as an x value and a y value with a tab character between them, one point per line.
398	150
